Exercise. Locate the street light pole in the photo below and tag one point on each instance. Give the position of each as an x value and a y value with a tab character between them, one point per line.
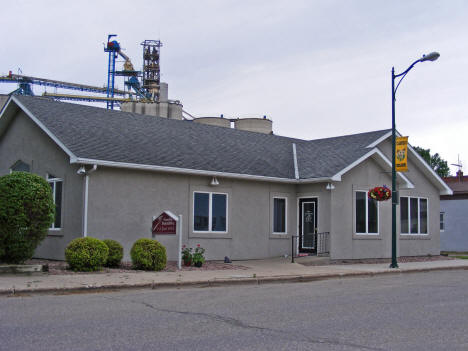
430	57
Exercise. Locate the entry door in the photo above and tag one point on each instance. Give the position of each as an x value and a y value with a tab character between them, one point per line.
308	225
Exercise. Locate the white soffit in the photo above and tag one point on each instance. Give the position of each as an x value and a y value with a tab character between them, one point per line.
380	158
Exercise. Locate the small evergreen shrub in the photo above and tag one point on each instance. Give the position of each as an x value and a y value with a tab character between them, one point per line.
148	254
86	254
115	253
26	212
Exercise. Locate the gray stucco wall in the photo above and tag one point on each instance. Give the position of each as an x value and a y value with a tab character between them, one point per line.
23	140
123	202
455	235
345	243
418	245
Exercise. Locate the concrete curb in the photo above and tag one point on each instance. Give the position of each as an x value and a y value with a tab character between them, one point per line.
217	282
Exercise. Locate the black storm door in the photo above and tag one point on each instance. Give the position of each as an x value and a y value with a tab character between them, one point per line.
308	209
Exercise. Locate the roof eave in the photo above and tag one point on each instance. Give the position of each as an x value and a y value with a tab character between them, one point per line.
189	171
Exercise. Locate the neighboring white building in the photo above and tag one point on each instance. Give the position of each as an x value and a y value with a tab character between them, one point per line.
454	215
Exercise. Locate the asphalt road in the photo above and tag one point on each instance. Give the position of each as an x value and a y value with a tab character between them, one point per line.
421	311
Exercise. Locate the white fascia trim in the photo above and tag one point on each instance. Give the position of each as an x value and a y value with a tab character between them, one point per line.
5	106
179	170
382	138
44	129
445	189
375	151
195	171
296	169
379	140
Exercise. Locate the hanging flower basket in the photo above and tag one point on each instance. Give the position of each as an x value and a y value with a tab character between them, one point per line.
380	193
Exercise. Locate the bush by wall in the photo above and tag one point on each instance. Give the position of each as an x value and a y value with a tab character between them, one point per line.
115	253
26	212
86	254
148	254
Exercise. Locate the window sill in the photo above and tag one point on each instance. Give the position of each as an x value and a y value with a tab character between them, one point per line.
415	237
210	235
279	236
362	236
55	232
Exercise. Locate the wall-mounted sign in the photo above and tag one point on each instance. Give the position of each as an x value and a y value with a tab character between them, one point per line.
165	223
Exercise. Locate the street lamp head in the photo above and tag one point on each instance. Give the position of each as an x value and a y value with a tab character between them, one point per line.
430	57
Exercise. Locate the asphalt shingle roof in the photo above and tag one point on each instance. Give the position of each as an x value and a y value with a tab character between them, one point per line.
96	133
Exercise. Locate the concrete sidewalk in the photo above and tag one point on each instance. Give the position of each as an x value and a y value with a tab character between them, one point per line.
258	272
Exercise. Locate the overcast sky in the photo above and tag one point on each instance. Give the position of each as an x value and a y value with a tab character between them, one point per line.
316	68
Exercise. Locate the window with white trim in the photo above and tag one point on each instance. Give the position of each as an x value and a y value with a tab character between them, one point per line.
442	221
56	184
413	215
279	215
210	212
367	214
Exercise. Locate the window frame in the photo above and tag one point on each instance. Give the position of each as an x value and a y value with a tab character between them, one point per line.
419	198
367	214
53	181
442	221
18	162
285	198
210	212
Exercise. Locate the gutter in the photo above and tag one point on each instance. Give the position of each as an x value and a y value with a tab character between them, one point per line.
87	161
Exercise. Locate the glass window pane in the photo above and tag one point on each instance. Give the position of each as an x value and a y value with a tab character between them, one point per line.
279	216
423	215
442	221
361	197
201	211
58	205
414	217
372	217
20	166
404	215
218	220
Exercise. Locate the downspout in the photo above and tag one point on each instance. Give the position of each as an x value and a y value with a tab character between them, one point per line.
86	173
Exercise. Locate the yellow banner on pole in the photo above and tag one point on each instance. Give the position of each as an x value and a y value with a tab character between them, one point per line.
401	154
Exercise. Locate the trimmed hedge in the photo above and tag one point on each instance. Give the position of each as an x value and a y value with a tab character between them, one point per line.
148	254
86	254
115	253
26	212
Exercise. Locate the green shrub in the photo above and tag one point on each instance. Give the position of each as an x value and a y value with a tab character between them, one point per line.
26	212
86	254
148	254
115	253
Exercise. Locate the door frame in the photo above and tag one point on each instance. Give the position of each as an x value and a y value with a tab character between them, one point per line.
313	198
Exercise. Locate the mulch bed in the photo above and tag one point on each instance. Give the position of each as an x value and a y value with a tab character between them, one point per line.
61	267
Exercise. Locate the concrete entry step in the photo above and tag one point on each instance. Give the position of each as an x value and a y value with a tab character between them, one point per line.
313	260
20	268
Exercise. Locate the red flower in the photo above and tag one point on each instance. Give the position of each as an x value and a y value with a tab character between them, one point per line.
380	193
